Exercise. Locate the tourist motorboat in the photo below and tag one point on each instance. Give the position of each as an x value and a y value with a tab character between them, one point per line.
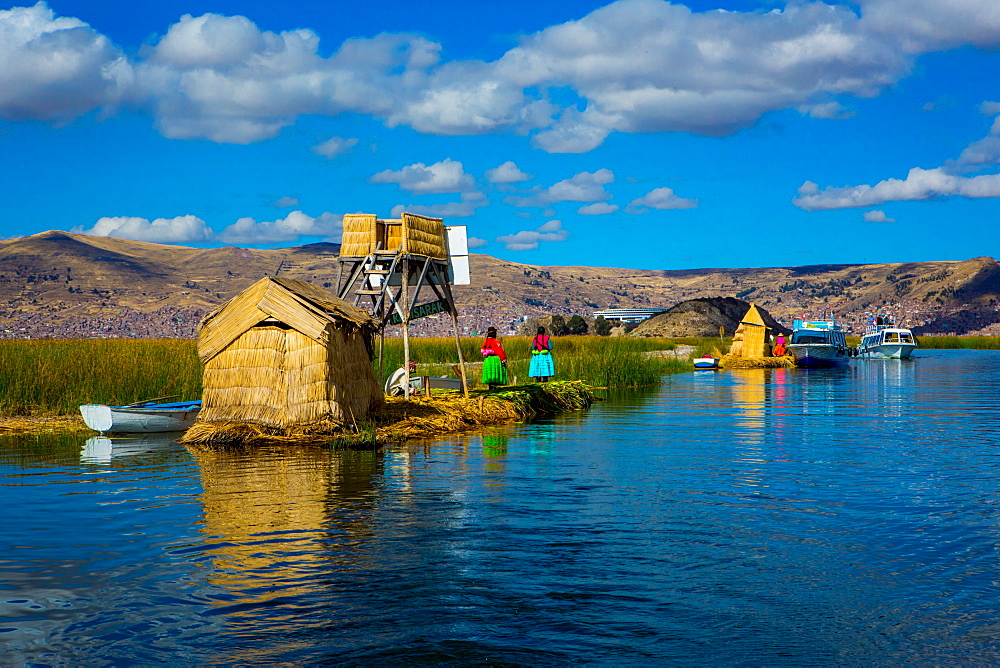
141	416
883	339
818	343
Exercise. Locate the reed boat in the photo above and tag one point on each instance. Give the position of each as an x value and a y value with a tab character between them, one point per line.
141	417
884	340
818	343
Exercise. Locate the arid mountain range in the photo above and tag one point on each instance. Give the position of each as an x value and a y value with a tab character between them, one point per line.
57	284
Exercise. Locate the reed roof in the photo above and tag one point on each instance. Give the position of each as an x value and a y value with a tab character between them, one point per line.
753	317
298	304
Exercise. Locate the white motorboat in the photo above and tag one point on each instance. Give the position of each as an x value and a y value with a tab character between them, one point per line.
818	343
141	417
884	340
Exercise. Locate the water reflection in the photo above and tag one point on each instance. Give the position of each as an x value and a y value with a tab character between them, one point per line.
495	450
102	449
749	397
887	383
273	519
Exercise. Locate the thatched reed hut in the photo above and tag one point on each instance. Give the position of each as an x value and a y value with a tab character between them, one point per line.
285	353
750	339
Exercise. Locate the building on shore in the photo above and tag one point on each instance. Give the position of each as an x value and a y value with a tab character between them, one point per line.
628	314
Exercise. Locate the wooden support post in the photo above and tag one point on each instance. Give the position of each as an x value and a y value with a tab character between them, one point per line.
404	295
458	346
381	354
453	310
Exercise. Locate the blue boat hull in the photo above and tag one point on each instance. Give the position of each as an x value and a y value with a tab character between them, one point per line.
820	362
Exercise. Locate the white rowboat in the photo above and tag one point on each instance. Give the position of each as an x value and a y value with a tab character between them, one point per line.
141	417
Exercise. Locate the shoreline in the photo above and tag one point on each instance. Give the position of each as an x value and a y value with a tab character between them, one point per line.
397	420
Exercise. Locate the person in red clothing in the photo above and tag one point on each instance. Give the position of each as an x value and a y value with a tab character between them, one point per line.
779	346
494	360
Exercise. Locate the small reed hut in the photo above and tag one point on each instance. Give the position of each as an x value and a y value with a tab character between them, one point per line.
284	353
750	340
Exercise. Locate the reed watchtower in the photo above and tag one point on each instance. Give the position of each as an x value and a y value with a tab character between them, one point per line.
388	263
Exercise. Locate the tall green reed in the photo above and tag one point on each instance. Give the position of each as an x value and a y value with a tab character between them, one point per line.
56	376
49	376
600	361
970	342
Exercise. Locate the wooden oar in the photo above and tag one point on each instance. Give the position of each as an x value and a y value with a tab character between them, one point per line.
150	401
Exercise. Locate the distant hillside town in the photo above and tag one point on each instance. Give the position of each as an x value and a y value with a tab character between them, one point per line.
63	285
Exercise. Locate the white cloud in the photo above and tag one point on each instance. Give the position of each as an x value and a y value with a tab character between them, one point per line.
583	187
827	110
636	66
989	108
182	229
296	224
285	202
877	216
508	172
467	207
660	198
476	242
529	239
597	209
930	25
56	69
985	151
224	79
335	146
919	184
447	176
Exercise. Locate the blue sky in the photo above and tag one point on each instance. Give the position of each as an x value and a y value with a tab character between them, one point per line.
639	133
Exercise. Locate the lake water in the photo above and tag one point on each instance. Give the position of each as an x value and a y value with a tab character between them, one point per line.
780	517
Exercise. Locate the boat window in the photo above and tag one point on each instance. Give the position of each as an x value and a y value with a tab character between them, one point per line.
892	337
808	338
905	337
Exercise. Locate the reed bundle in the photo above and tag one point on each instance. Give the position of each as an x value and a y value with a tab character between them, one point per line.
364	233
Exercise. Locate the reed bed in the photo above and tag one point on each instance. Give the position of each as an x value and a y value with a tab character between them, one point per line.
960	342
731	362
598	361
55	376
52	377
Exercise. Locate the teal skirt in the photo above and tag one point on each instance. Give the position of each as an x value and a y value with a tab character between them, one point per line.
542	365
494	372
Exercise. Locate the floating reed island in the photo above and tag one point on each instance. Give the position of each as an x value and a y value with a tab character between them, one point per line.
286	362
751	348
399	420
